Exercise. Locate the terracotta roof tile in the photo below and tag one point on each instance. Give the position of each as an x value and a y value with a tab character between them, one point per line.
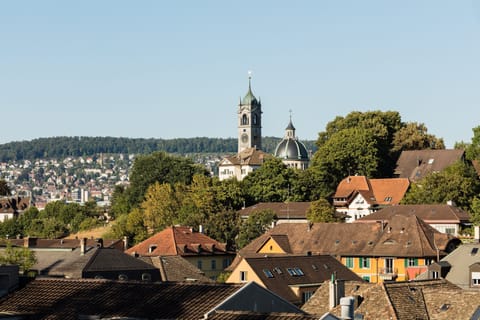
388	191
179	240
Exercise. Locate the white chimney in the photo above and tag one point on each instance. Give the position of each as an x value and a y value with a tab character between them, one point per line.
476	234
83	246
347	308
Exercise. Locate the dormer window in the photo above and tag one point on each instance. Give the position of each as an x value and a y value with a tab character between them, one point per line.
475	279
152	248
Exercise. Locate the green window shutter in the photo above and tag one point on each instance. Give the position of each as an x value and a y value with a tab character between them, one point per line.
416	262
405	262
368	262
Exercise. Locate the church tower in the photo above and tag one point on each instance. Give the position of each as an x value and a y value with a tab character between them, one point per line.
249	121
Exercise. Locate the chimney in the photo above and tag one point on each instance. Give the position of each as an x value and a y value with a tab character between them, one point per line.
99	242
347	308
83	246
200	228
336	291
29	242
476	234
125	243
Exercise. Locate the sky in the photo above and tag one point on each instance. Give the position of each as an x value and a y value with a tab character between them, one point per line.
177	69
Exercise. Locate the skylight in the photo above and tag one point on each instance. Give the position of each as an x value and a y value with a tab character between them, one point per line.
474	251
278	270
268	273
295	272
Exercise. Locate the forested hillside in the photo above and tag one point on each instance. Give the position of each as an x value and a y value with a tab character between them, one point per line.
60	147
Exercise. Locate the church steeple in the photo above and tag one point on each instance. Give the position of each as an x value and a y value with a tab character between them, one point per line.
249	120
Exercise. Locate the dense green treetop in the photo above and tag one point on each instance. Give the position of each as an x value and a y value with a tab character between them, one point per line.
458	183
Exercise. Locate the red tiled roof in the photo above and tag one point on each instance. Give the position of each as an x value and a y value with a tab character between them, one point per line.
387	191
179	240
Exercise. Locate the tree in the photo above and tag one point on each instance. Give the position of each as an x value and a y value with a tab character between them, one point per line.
162	168
321	211
414	136
475	211
160	207
458	183
257	223
359	143
472	151
4	188
224	227
270	183
23	257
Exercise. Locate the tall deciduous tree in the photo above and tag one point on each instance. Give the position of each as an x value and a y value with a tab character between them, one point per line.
359	143
321	211
458	183
414	136
270	183
162	168
473	149
160	207
256	224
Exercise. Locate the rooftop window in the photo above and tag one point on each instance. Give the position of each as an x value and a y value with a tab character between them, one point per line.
268	273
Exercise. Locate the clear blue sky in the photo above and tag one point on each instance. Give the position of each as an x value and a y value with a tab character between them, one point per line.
167	69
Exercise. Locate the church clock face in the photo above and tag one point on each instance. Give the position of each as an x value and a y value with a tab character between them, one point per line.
244	138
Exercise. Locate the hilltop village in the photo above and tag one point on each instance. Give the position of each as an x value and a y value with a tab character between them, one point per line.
282	235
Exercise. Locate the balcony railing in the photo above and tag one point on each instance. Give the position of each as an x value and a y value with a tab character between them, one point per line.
388	273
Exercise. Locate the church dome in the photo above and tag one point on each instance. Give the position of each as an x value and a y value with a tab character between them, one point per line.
290	148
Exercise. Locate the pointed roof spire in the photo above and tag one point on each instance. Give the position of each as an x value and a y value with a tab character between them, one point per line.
290	124
249	97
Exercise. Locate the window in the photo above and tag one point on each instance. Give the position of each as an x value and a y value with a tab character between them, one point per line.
199	264
474	251
146	277
213	264
450	230
306	296
123	277
278	270
295	272
298	271
364	263
349	262
366	278
268	273
475	278
434	274
388	265
152	248
243	276
226	262
244	120
411	262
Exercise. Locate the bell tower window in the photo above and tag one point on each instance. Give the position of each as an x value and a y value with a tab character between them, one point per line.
244	120
254	119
